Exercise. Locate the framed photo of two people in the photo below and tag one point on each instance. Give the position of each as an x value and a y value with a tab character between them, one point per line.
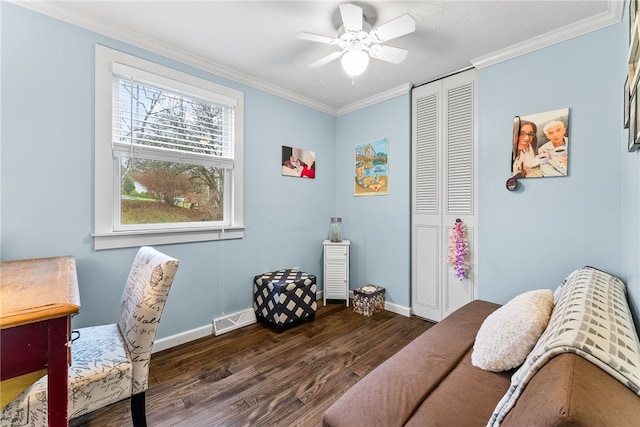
298	162
540	145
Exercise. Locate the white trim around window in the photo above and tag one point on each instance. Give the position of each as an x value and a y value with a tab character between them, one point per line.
107	232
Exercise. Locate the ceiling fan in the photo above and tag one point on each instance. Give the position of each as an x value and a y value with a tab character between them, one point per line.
357	41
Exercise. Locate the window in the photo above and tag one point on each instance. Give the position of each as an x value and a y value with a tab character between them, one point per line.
168	155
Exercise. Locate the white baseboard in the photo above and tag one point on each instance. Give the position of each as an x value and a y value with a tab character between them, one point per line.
394	308
238	320
233	321
225	323
398	309
182	338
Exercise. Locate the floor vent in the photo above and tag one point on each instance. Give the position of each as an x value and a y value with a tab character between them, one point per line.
233	321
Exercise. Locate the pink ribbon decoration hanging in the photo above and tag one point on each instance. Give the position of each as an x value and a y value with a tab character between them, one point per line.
459	249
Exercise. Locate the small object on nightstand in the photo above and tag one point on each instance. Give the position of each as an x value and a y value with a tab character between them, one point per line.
335	230
368	300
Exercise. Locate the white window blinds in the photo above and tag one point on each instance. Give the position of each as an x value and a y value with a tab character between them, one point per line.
161	119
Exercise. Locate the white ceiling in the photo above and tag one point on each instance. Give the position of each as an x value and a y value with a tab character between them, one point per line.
254	42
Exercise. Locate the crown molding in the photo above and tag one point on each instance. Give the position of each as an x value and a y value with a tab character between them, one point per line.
58	11
383	96
611	16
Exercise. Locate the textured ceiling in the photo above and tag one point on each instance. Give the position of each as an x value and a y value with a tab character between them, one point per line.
255	41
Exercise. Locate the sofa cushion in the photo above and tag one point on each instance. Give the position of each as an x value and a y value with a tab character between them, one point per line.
571	391
395	389
509	334
464	398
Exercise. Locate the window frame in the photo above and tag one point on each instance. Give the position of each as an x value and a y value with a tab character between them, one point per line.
107	172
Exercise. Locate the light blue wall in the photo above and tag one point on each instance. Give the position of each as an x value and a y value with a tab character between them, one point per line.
47	180
528	239
534	237
378	226
630	205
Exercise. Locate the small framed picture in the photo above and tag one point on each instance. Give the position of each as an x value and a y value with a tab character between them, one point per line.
626	103
298	162
634	142
637	116
633	10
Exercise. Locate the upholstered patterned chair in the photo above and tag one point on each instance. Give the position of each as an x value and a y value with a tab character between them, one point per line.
109	362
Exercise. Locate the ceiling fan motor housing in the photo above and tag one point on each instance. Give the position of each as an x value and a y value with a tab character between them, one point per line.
354	40
357	39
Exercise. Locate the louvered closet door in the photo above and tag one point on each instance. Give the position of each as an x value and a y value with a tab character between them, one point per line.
443	189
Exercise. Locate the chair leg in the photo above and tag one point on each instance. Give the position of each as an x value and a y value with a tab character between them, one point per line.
138	412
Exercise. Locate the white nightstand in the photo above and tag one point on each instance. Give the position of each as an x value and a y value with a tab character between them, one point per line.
336	270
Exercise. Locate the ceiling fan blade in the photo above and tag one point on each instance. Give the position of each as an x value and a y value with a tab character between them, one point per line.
387	53
316	38
352	17
331	57
400	26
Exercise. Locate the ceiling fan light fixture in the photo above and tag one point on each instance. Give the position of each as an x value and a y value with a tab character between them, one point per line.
355	62
358	41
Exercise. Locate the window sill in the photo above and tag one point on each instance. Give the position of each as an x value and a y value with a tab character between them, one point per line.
127	239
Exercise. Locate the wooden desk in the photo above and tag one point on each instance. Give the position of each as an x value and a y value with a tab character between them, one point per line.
37	299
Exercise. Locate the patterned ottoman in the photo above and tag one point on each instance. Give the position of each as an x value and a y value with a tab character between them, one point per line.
284	296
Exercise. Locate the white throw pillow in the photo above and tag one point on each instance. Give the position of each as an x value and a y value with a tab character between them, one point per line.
509	334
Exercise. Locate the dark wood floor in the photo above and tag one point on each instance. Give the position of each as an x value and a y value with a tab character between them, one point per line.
255	376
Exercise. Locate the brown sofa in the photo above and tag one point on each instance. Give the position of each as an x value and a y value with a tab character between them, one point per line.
431	382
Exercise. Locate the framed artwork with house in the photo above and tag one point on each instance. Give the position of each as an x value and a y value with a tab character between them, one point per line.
372	168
